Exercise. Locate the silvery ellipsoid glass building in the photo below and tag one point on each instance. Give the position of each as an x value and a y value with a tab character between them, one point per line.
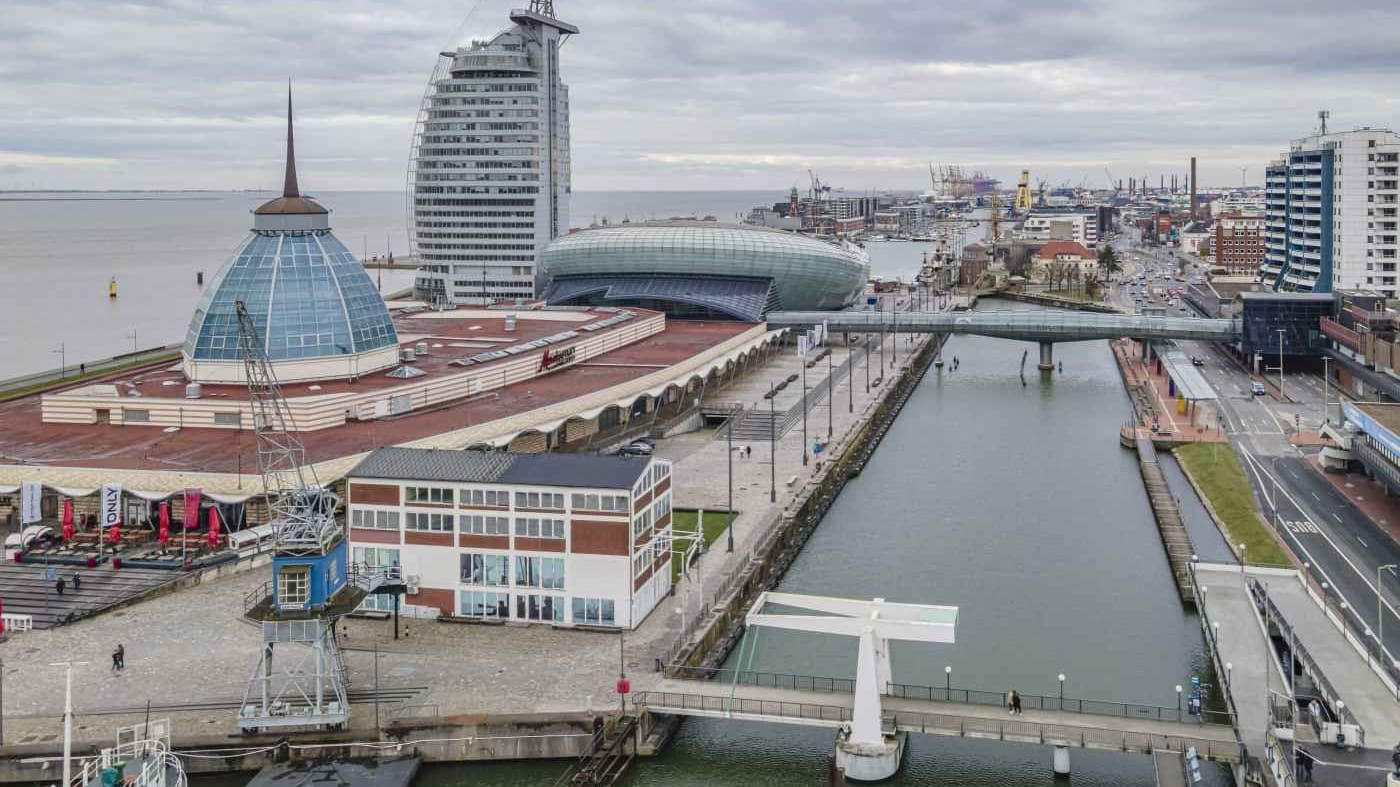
488	180
318	313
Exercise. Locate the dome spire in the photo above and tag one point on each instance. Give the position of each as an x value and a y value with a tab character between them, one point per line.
289	184
291	203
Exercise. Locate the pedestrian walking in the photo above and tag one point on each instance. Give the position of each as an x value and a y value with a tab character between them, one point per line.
77	581
120	656
59	585
116	658
1011	702
1016	701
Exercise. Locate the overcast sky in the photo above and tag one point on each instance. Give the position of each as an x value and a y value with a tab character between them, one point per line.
705	94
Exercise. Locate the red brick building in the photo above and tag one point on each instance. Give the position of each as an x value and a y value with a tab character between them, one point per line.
1239	243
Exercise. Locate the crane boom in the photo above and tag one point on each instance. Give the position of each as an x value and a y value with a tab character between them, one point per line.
301	513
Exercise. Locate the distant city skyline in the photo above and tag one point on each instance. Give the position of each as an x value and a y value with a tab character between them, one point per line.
715	94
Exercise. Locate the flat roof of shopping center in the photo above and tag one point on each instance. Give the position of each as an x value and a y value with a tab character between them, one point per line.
83	456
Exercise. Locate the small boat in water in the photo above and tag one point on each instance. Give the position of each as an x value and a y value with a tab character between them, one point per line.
141	758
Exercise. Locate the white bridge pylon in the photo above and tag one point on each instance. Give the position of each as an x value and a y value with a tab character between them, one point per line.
875	623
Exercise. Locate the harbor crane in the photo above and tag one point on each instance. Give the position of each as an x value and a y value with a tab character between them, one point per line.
299	680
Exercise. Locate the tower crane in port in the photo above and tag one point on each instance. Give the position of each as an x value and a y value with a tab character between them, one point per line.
1023	193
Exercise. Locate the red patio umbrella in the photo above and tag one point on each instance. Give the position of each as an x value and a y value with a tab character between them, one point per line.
213	527
114	534
67	519
164	534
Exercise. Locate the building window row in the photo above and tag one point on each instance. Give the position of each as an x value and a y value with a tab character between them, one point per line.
374	520
535	527
482	525
539	572
485	569
592	502
551	500
429	523
428	494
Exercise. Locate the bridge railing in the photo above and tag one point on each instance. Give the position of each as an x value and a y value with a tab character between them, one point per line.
948	693
1016	729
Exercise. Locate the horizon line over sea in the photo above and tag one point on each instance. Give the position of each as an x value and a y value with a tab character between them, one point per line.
59	250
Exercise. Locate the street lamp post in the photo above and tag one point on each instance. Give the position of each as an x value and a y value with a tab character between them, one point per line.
68	717
804	410
850	385
866	353
1280	362
1380	609
62	361
1326	382
1178	702
1062	691
830	391
729	439
772	447
948	682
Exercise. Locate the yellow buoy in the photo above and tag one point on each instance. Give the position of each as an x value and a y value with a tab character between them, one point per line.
112	288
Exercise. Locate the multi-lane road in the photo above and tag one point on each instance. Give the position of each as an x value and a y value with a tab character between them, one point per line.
1340	543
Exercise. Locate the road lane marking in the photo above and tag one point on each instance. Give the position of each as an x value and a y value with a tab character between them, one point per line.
1334	516
1315	497
1259	472
1363	543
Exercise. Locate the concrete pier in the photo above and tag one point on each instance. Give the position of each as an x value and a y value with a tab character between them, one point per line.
1047	357
1175	539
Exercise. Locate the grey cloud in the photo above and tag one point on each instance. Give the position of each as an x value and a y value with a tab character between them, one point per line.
703	94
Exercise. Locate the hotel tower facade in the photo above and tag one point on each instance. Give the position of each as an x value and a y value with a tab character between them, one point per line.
488	179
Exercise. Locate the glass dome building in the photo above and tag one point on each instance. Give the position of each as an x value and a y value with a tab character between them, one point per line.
316	310
702	270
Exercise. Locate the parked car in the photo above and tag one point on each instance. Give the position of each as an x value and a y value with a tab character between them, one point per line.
637	448
1197	360
1257	389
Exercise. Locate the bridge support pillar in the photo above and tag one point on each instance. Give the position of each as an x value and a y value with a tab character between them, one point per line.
870	762
1061	762
1047	356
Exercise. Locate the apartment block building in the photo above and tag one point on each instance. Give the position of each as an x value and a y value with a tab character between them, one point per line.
564	539
1331	214
1239	243
1082	228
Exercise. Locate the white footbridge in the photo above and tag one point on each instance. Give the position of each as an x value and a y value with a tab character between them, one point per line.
873	715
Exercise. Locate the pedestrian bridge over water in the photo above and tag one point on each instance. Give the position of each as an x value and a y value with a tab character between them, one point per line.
1045	327
1030	326
824	702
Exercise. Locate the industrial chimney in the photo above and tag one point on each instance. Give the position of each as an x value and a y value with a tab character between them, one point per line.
1193	189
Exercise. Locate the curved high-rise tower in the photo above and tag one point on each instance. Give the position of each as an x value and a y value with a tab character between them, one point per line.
488	179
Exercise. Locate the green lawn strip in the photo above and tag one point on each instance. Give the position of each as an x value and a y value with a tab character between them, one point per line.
1217	472
16	393
684	522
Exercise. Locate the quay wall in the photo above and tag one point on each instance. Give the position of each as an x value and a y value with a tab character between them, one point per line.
711	638
476	738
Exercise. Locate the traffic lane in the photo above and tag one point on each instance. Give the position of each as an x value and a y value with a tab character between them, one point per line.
1310	542
1362	539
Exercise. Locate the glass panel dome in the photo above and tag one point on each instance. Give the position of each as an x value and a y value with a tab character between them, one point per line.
306	293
